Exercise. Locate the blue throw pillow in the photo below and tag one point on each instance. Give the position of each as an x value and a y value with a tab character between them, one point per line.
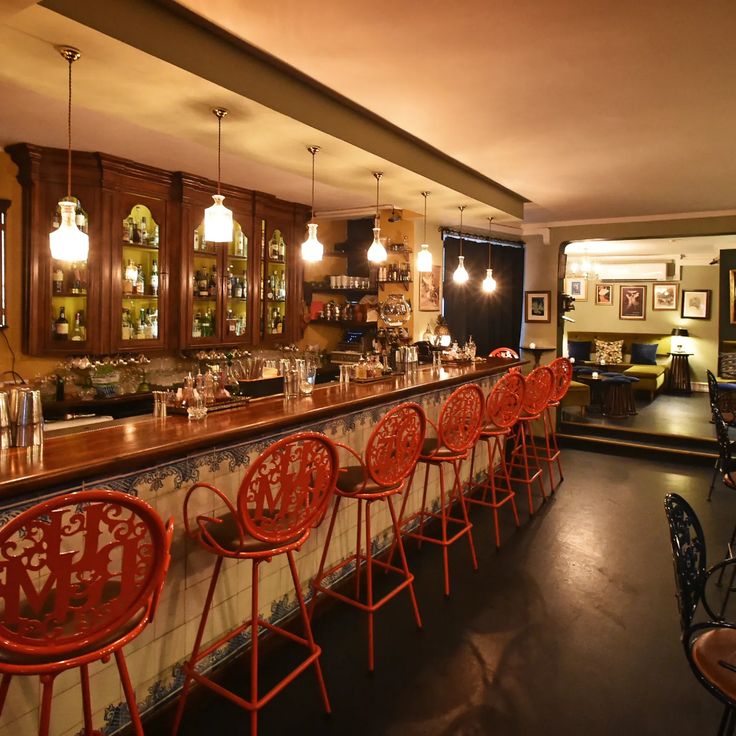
579	349
644	354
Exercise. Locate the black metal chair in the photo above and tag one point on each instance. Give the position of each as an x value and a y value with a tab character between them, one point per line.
710	646
722	396
725	462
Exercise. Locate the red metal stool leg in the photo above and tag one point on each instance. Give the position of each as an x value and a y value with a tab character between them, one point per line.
404	563
135	718
358	549
369	583
458	487
47	683
325	549
4	685
86	700
443	522
254	649
424	504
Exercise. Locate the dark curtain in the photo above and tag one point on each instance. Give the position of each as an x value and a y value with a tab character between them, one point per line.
494	320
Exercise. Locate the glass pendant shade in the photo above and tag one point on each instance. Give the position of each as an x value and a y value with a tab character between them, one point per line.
218	222
461	275
424	259
377	252
68	242
489	283
312	249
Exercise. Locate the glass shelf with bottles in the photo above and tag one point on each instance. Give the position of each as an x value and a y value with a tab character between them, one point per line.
140	275
236	284
273	282
69	289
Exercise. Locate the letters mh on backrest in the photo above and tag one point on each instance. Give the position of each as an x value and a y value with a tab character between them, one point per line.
288	487
688	554
77	567
461	418
506	400
562	372
539	385
395	443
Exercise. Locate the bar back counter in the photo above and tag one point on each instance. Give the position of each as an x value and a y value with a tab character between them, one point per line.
158	460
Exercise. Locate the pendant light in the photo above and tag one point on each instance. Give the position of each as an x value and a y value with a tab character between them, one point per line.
461	275
377	252
312	249
68	242
424	257
489	283
218	219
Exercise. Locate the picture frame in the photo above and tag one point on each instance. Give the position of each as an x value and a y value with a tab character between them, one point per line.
664	297
537	306
632	302
429	289
604	295
696	303
577	288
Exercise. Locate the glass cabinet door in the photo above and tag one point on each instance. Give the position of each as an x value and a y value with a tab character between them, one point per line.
274	279
68	287
140	278
205	288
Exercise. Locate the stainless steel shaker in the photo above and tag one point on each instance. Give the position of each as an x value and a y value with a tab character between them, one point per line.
26	417
6	437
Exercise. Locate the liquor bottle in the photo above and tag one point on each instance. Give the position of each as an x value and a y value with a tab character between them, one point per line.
282	286
197	325
275	321
244	280
154	278
61	326
147	326
80	220
230	287
76	281
144	231
203	284
56	221
138	333
240	244
140	284
131	230
196	240
58	279
273	246
238	289
269	288
213	282
135	235
230	322
127	326
126	231
153	316
282	250
78	331
155	240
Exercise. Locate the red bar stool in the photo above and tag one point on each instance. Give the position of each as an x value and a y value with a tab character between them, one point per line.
562	375
524	456
457	430
104	557
282	497
503	406
390	458
507	353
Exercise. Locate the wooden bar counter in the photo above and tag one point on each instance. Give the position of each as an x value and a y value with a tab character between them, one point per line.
158	460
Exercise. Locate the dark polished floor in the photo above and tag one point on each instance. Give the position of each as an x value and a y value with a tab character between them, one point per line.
570	629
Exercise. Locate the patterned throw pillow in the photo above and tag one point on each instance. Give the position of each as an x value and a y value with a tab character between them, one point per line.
609	352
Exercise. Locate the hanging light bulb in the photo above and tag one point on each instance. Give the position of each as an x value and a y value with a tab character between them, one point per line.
312	249
424	257
377	251
68	242
489	283
461	275
218	219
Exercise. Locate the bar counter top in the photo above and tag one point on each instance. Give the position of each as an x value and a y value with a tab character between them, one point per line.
144	441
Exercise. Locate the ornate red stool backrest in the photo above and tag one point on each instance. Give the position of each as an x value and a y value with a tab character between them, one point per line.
506	400
539	385
562	372
507	353
461	418
288	487
395	443
77	568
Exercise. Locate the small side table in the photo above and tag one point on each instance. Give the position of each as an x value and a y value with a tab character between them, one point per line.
678	381
537	353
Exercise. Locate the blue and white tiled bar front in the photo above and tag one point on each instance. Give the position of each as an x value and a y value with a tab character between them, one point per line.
154	658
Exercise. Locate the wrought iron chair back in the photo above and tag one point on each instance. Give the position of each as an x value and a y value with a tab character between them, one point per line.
712	388
539	386
725	448
506	400
562	373
507	353
76	569
288	487
395	443
461	418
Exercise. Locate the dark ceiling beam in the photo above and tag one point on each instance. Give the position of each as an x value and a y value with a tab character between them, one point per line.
172	33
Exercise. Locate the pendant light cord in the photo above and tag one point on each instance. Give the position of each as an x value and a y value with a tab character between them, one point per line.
69	134
314	153
425	195
219	149
490	223
378	184
461	208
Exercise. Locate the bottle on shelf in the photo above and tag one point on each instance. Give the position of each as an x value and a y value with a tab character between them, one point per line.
80	220
241	244
196	240
269	288
130	275
202	284
61	325
238	288
197	325
282	286
212	287
78	330
153	318
77	281
144	231
139	287
154	278
146	326
155	239
127	326
244	281
135	235
58	279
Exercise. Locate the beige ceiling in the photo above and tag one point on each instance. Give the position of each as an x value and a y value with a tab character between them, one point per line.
589	108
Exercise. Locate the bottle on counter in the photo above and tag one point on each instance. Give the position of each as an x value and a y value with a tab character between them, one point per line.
61	325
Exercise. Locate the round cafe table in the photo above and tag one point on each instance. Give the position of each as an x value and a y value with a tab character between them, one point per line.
537	352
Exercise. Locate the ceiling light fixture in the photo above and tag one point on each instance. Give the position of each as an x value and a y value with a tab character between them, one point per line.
461	275
68	242
218	219
489	283
312	249
424	257
377	252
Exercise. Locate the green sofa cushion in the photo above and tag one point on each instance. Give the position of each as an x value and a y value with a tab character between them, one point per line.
645	371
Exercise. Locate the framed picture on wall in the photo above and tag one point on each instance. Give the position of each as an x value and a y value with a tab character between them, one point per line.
537	306
632	302
429	290
577	288
664	297
696	303
604	295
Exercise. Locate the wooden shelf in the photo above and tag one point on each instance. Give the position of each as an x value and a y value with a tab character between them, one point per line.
343	323
405	284
67	294
348	290
146	297
140	246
